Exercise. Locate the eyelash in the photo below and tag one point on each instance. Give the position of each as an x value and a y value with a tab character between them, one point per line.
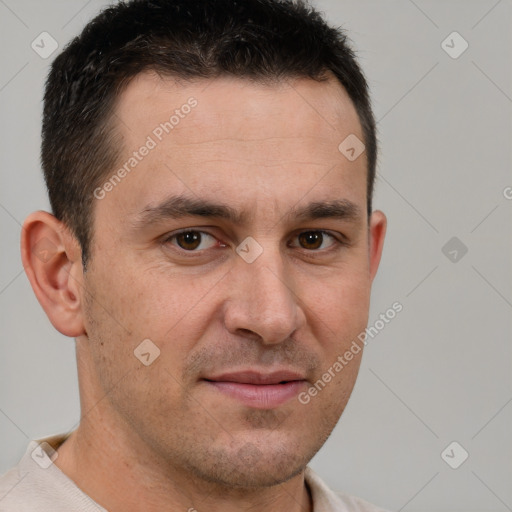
337	243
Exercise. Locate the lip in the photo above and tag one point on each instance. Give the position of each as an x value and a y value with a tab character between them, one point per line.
259	390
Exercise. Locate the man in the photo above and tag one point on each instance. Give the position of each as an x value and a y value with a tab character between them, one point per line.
210	167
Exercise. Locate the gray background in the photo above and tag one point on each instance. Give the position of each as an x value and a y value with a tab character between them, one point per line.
441	370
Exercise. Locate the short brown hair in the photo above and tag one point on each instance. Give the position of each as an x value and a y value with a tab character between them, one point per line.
256	39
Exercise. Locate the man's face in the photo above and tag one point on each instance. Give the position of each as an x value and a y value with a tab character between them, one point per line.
238	340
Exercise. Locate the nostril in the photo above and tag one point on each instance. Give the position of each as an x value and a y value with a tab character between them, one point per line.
248	333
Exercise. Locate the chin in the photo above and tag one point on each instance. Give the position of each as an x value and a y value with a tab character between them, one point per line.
251	467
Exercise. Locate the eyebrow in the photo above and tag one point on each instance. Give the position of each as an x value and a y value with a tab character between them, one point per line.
176	207
341	209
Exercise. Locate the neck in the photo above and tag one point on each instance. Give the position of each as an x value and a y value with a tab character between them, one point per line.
110	463
120	477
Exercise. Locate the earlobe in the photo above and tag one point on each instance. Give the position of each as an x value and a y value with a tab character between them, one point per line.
378	225
52	260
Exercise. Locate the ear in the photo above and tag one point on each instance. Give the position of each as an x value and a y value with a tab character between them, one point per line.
52	260
377	233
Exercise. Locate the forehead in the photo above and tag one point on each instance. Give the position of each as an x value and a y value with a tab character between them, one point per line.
245	141
324	105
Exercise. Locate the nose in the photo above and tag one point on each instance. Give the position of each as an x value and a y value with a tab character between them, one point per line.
262	302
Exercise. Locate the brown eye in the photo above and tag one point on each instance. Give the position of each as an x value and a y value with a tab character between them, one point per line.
192	240
311	239
189	240
316	239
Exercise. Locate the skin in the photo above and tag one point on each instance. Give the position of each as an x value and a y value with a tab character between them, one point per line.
160	437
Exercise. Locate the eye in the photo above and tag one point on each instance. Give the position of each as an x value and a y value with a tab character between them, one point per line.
315	240
192	240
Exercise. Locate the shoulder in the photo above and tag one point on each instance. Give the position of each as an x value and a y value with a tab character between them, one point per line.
19	485
326	500
8	483
36	484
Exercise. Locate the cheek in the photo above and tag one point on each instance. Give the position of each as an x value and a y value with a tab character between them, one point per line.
340	305
156	302
341	315
141	298
120	316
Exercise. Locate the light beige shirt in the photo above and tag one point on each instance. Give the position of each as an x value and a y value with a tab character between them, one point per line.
36	484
